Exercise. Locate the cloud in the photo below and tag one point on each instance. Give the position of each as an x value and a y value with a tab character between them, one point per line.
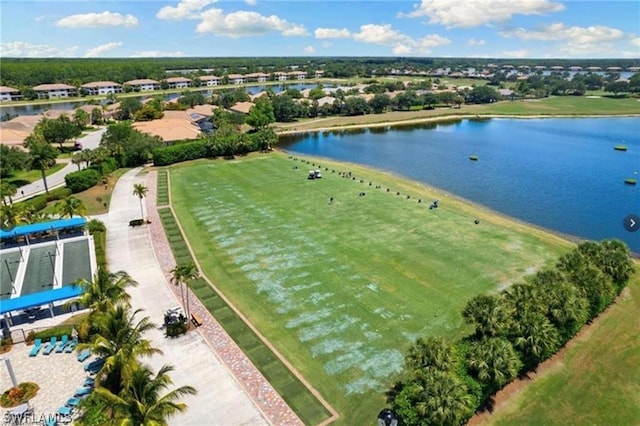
186	9
401	44
309	49
473	13
474	42
104	19
326	44
559	32
156	54
251	2
332	33
244	23
515	53
23	49
98	50
635	41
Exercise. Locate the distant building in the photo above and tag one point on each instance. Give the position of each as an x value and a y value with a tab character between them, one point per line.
53	91
242	107
236	78
297	75
9	94
280	76
260	77
102	88
210	80
143	85
178	82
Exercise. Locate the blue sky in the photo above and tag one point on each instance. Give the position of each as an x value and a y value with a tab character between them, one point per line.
439	28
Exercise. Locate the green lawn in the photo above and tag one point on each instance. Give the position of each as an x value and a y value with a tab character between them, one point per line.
342	289
566	105
596	383
25	177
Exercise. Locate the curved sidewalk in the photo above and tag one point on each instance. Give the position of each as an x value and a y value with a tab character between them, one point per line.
221	400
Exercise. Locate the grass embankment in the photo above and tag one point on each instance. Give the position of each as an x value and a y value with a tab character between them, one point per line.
596	382
297	396
25	177
564	106
342	289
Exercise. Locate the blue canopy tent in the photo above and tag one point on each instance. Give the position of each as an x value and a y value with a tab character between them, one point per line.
35	228
46	297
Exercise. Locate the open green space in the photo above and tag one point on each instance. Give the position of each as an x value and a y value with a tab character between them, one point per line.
22	178
597	382
343	288
566	105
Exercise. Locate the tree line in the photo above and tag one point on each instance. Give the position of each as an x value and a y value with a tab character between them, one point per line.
446	382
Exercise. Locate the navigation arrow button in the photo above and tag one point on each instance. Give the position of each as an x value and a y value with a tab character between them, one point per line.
631	223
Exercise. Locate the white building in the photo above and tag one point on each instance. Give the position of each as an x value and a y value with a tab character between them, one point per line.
102	87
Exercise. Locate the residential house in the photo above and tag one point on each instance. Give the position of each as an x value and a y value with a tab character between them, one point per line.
280	76
101	88
318	74
210	80
143	85
16	130
242	107
53	91
178	82
173	126
260	77
9	94
236	78
297	75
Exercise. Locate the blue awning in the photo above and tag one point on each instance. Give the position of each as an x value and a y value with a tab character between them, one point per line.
40	298
34	228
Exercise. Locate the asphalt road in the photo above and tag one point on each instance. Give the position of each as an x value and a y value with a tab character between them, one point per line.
91	141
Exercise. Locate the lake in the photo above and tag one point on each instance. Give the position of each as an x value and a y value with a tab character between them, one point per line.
560	174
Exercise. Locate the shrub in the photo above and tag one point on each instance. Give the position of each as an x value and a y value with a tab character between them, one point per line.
19	395
176	329
181	152
54	331
82	180
84	330
30	337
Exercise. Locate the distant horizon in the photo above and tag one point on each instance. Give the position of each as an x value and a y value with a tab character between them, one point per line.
575	29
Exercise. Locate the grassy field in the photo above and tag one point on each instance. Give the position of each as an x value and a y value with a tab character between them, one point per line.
552	106
22	178
343	288
598	380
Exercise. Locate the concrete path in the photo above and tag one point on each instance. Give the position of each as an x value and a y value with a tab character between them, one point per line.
91	141
220	399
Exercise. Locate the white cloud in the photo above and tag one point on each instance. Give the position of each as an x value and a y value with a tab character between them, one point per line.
186	9
104	19
332	33
98	50
309	49
635	41
472	13
403	44
23	49
559	32
243	23
515	53
326	44
251	2
474	42
156	54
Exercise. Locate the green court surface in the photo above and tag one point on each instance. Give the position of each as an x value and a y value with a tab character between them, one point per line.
39	275
76	263
8	270
342	287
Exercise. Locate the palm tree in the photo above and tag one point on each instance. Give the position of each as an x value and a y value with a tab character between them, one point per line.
11	215
106	290
119	341
140	191
78	159
535	337
433	353
488	314
42	154
494	361
141	402
182	274
442	399
7	190
70	206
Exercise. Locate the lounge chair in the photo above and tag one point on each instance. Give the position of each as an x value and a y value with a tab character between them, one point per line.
89	382
94	366
72	402
71	346
62	344
83	355
37	345
83	391
50	421
50	346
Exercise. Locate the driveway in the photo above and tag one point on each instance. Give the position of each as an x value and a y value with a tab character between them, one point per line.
220	399
90	141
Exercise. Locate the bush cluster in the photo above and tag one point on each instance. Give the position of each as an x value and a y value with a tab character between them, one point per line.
179	153
82	180
514	332
177	329
39	202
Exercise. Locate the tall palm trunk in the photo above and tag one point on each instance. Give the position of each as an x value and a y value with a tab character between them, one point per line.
44	180
141	211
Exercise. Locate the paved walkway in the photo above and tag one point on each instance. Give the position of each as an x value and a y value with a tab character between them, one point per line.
221	400
90	141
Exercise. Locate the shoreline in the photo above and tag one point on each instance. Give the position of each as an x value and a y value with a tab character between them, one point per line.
440	118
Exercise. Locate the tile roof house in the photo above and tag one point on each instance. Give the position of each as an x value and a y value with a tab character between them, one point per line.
260	77
297	75
280	76
9	94
178	82
52	91
173	126
102	87
210	80
242	107
236	78
318	74
16	130
143	85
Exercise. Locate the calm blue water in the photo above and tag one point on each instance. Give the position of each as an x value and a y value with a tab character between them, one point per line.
561	174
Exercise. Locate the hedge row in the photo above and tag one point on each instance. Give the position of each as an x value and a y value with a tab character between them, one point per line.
39	202
82	180
179	153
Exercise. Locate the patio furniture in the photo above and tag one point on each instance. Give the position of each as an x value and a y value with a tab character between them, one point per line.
50	346
65	411
37	345
50	421
94	366
83	355
72	402
89	381
62	344
71	346
84	391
